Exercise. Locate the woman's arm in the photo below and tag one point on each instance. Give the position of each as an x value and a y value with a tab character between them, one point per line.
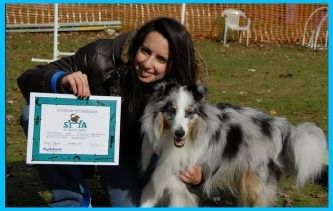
46	78
94	60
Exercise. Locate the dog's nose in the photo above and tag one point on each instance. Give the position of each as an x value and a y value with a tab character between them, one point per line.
179	133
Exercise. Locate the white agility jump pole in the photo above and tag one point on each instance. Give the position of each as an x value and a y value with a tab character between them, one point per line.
55	32
183	14
56	52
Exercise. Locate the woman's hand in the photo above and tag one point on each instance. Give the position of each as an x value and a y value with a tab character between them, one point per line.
192	175
77	82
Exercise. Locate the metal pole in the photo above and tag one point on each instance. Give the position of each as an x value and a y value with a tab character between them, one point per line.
183	13
55	32
56	53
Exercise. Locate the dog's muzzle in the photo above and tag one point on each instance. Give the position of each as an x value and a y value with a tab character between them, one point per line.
179	140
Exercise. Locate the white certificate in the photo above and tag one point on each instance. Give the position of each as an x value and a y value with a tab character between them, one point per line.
67	130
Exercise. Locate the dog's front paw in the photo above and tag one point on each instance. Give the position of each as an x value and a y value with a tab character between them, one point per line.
148	203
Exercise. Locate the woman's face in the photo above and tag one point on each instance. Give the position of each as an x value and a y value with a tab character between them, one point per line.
152	58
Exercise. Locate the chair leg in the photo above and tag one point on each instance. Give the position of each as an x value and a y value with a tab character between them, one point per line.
225	36
247	38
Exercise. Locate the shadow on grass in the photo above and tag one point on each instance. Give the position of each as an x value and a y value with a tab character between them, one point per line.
23	187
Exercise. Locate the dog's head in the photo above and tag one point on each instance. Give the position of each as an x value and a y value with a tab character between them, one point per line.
178	109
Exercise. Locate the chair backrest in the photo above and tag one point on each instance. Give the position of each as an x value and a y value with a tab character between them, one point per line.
232	16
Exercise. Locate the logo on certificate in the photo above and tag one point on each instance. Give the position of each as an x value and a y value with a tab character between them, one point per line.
75	122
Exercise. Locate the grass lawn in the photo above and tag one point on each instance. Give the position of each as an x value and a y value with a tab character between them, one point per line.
284	80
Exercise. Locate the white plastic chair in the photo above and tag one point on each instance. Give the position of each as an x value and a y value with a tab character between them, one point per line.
315	30
232	17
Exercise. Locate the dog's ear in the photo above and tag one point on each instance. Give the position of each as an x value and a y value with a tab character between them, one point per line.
164	88
158	125
202	90
198	91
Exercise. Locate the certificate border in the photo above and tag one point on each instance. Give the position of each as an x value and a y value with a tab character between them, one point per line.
39	99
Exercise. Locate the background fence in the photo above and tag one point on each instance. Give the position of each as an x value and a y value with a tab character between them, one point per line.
270	23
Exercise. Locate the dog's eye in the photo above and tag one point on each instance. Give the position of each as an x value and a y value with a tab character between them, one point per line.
171	110
190	113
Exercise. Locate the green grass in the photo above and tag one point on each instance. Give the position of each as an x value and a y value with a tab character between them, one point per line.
288	81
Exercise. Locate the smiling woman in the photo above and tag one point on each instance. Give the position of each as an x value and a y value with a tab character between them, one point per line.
152	58
128	66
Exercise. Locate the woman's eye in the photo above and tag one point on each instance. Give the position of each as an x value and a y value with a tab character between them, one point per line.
162	60
145	50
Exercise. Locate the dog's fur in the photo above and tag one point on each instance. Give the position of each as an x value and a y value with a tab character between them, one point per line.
240	148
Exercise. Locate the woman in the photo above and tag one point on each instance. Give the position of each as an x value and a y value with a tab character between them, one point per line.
127	66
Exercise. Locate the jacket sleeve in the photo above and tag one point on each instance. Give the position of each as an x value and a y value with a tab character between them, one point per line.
38	79
94	59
